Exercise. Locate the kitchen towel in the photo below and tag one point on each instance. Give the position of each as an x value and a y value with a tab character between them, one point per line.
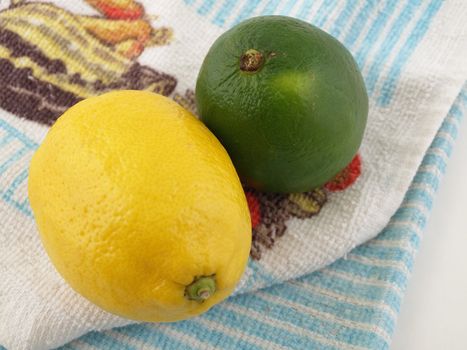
52	54
351	304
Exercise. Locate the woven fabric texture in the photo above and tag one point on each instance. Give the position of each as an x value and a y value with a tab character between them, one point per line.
54	53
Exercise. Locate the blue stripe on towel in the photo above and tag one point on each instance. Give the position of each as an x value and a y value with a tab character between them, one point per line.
359	23
206	7
270	7
304	9
342	19
374	32
390	84
247	10
323	13
391	39
224	12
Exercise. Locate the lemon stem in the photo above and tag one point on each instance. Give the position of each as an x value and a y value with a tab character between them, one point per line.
201	289
251	61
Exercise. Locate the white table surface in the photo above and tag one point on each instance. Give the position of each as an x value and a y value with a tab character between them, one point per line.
434	310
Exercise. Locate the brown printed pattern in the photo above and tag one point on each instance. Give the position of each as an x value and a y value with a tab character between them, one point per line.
51	58
270	211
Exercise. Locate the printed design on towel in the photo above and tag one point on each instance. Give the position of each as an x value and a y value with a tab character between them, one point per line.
270	211
51	58
187	100
346	177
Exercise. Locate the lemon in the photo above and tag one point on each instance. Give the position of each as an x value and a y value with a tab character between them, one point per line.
140	208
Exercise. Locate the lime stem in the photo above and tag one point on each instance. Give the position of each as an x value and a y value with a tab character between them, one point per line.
201	289
251	61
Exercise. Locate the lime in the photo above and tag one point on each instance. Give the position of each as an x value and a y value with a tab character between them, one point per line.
286	100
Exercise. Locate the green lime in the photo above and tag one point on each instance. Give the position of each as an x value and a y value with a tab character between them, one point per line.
286	100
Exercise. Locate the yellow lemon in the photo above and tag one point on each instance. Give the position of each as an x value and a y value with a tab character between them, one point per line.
140	208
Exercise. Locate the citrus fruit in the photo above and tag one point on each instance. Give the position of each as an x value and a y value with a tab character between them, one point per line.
286	99
139	207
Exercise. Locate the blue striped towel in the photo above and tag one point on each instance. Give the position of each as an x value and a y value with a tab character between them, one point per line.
302	294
